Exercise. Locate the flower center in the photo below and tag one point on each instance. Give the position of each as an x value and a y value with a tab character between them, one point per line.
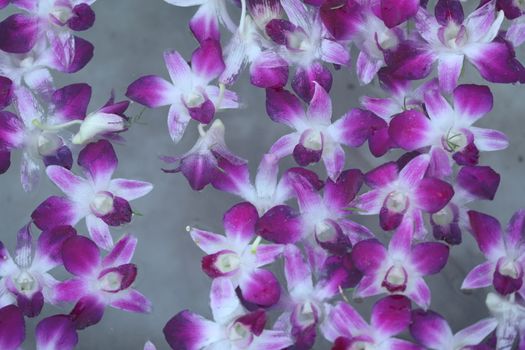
386	39
313	141
298	41
240	335
509	268
61	13
228	262
110	282
325	232
396	202
395	279
47	143
25	282
361	345
454	141
102	204
443	217
193	99
453	36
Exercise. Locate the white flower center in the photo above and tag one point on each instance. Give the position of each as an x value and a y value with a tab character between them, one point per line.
299	41
102	204
314	141
228	262
454	36
443	217
509	268
454	141
111	281
361	345
396	276
47	143
325	232
62	13
194	99
396	201
25	282
27	62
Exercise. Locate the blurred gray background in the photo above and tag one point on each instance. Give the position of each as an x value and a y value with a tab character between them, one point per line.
130	37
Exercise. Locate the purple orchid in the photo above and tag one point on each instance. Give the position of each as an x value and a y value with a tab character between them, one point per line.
190	96
509	311
448	131
234	258
56	332
400	268
99	282
451	38
232	328
315	136
505	253
432	331
102	201
200	165
25	279
12	332
402	195
390	316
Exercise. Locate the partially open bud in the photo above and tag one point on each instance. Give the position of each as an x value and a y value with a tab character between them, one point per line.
98	124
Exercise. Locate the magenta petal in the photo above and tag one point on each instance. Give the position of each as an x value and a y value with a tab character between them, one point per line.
296	270
6	92
19	33
487	232
198	169
496	62
121	213
303	154
368	255
71	102
187	330
12	131
341	18
32	305
207	61
49	244
279	29
204	112
433	194
56	332
151	91
55	211
516	228
132	301
410	130
480	181
269	70
239	222
99	161
430	329
62	157
340	193
280	224
68	62
391	315
472	102
409	61
12	328
283	107
449	10
449	71
87	312
303	81
205	24
83	17
122	252
5	161
395	12
354	128
382	175
480	276
506	285
260	287
429	258
80	255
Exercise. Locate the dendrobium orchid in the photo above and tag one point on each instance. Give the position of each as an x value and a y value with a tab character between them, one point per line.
450	38
399	195
505	253
25	279
349	331
190	94
448	130
232	329
102	201
509	311
99	282
400	268
236	258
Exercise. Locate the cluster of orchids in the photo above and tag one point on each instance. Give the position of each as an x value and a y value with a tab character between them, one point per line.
299	223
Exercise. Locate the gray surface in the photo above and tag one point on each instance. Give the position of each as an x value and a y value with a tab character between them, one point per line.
130	37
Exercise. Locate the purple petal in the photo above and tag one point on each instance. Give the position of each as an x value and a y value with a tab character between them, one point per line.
279	30
209	242
67	61
516	228
353	128
420	293
488	234
472	102
204	112
284	107
309	149
430	329
489	140
449	10
132	301
269	70
280	224
303	81
429	258
99	161
239	222
410	130
6	92
12	131
480	276
267	253
122	252
66	181
368	255
178	119
5	161
449	70
205	24
340	193
223	300
395	12
71	290
99	232
30	305
71	102
88	311
401	241
62	157
49	246
80	255
12	328
415	170
83	17
333	52
409	61
341	18
474	334
367	67
496	62
187	330
129	189
382	175
260	287
19	33
207	61
151	91
505	284
334	160
391	315
56	332
433	194
55	211
344	320
480	181
120	214
296	270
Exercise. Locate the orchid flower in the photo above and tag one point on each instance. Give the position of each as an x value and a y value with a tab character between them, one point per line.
402	195
103	202
390	316
99	282
509	311
232	328
400	268
190	96
25	279
315	136
200	165
505	253
448	130
451	38
56	332
235	258
303	42
432	331
12	332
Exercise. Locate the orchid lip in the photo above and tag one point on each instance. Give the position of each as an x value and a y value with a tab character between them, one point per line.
102	204
395	278
313	141
25	282
397	202
509	268
443	217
